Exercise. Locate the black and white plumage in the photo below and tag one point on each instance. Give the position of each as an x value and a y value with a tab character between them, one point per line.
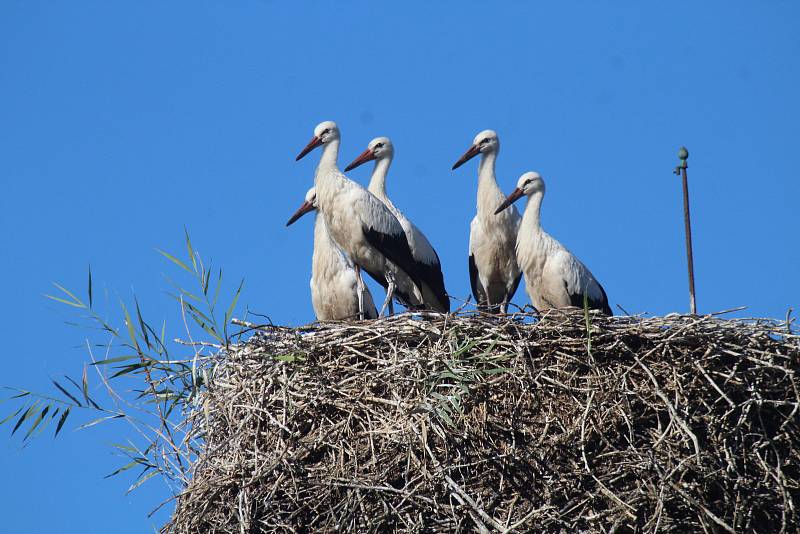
334	281
361	225
428	267
554	277
493	270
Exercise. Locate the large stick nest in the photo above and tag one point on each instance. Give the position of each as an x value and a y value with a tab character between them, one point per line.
477	423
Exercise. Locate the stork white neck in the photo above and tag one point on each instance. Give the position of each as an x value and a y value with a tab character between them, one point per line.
486	165
531	219
327	162
488	190
377	183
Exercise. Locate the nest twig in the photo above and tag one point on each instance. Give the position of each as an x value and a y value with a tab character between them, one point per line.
482	423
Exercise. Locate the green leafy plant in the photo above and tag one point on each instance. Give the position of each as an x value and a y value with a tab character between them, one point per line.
141	381
448	387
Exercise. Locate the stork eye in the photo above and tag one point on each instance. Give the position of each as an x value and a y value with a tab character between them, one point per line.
379	145
484	141
325	131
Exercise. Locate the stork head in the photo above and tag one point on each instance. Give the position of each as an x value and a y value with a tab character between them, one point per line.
310	204
485	142
379	148
324	133
528	184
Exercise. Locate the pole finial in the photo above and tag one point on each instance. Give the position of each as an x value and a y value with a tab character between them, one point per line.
683	155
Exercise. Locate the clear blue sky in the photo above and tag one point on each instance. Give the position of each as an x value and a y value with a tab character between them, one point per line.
121	122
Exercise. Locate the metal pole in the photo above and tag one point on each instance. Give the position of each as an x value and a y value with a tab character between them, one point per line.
683	154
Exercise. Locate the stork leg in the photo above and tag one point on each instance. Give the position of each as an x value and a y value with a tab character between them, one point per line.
360	291
389	293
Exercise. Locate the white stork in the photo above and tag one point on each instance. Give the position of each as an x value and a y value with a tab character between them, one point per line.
554	278
493	270
334	284
361	225
428	266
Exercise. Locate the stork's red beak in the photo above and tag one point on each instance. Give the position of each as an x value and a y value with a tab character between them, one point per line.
510	199
473	151
304	208
365	156
314	143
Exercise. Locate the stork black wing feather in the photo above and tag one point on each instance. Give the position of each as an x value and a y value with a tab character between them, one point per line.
395	248
474	280
603	305
431	275
576	299
514	288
